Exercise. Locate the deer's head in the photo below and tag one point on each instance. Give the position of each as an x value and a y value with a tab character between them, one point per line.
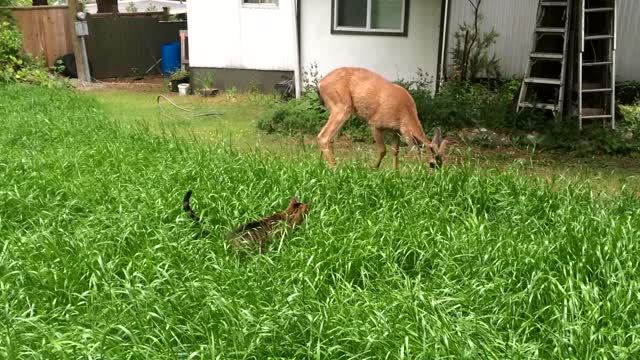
438	148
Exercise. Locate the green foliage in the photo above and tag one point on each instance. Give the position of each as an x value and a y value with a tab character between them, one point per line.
131	7
471	51
99	261
459	104
179	74
15	2
628	93
307	116
631	117
16	66
462	104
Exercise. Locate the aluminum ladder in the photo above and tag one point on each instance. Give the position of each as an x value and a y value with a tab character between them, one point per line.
597	62
547	66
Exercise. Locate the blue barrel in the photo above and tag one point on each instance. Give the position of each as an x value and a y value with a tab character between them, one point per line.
170	53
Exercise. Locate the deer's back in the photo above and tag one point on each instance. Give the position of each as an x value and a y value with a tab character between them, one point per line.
372	97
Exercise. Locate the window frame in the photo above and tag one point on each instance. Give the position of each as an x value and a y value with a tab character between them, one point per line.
335	29
266	5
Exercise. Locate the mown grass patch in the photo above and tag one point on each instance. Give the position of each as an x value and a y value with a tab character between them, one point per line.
98	260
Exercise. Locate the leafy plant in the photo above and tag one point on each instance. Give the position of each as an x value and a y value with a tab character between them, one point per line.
208	80
16	66
179	74
628	93
131	8
231	93
471	51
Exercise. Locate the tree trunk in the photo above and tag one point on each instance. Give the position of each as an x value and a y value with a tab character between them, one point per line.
39	2
107	6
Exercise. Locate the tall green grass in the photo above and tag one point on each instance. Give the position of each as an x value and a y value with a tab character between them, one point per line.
98	261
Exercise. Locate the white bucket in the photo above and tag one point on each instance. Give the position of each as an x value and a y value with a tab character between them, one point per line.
183	89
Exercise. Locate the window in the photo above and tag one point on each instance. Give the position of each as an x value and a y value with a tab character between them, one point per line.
260	3
381	17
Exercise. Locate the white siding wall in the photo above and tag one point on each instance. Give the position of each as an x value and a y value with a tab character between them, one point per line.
515	20
393	57
628	45
226	34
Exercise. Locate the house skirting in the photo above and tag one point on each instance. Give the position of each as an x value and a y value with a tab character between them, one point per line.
242	79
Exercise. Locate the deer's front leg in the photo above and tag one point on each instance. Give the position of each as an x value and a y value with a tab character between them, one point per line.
327	134
395	148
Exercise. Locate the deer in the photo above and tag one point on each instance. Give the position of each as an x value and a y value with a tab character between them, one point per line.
385	106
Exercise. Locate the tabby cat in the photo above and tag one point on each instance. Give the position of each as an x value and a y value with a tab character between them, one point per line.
257	235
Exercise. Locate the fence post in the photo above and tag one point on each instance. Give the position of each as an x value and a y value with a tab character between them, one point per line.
81	65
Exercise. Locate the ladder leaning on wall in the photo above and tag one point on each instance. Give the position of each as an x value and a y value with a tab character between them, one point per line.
543	86
597	62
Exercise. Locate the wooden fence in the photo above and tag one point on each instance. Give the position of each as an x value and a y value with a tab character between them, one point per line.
45	31
120	46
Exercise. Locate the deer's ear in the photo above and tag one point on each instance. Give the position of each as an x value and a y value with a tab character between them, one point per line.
442	148
437	137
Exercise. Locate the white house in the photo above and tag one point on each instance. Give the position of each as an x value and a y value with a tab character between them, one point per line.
515	21
262	41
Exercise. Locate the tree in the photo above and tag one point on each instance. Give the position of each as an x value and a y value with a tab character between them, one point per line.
471	52
107	6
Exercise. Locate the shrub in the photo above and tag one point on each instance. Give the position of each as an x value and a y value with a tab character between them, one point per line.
628	93
462	104
14	65
459	104
471	51
306	116
631	116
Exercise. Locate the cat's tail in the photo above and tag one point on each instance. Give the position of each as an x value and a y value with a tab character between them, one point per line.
186	206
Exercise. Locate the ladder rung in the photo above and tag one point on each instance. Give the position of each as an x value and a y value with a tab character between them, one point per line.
597	63
602	9
596	117
547	56
547	81
596	90
554	3
539	106
550	30
598	37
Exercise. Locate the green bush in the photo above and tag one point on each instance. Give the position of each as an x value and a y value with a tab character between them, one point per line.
16	66
459	104
628	93
306	116
631	118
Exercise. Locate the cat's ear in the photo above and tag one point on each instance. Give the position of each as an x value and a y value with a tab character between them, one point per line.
292	204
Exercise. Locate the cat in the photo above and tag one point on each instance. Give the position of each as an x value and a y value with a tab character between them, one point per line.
257	235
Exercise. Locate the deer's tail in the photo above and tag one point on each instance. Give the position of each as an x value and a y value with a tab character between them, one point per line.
186	206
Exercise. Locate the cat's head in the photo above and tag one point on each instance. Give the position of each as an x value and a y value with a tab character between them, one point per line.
296	210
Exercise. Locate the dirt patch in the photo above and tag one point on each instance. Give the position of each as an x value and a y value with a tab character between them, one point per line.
146	84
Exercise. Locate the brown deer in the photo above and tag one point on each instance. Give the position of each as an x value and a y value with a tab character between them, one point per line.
385	106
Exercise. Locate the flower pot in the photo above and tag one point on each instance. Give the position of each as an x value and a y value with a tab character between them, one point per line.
183	89
175	83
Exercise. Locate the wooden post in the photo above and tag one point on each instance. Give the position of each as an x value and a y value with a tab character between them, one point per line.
77	51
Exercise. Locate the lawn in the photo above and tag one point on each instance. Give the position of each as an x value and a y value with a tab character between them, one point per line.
236	126
98	261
